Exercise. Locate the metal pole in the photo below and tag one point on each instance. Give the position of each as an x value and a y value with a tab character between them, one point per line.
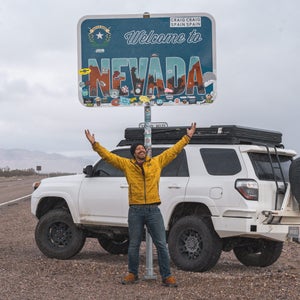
148	146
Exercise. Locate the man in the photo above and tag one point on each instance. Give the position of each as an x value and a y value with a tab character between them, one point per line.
143	175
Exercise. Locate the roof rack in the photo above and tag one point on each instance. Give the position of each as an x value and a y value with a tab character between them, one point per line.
215	134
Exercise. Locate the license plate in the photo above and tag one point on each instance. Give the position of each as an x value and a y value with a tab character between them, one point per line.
294	232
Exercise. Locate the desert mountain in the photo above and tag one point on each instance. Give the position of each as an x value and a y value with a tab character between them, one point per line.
24	159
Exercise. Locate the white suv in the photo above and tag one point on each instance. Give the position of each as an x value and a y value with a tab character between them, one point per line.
229	189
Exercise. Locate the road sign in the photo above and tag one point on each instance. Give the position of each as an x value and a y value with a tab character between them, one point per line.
127	60
154	124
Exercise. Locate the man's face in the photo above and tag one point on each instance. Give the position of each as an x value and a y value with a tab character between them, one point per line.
140	152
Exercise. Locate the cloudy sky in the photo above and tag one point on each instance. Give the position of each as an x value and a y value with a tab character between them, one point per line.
258	72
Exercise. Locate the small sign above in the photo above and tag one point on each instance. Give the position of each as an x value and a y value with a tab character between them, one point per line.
161	59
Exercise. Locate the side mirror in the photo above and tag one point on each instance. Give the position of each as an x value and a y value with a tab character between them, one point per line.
88	170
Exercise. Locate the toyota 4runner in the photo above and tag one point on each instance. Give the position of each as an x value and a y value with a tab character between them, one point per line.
232	188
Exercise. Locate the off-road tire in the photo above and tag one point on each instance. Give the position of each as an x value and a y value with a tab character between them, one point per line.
114	246
294	175
57	236
194	244
259	253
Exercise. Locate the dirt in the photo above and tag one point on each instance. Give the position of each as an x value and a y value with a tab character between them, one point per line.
25	273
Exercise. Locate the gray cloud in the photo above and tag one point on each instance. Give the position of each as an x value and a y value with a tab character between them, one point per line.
257	72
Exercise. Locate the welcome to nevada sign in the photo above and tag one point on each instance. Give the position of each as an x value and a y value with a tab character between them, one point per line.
162	59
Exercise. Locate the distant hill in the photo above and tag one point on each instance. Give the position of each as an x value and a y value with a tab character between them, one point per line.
24	159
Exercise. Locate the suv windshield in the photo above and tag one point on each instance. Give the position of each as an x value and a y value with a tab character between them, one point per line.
263	169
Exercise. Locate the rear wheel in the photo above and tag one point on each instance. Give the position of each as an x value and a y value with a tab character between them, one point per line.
57	236
114	246
194	244
259	253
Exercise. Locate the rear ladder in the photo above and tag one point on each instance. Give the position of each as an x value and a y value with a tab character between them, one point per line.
286	212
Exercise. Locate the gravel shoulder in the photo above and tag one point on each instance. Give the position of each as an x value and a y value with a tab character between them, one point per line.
25	273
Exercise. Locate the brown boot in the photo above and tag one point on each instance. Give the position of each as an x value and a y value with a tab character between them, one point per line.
130	278
169	281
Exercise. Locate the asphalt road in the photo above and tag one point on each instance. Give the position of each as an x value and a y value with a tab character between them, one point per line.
13	188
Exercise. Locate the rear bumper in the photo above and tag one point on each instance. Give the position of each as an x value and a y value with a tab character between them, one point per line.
249	227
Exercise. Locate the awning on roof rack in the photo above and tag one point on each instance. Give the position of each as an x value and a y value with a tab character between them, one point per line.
216	134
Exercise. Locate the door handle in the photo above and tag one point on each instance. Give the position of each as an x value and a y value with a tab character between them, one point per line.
124	186
174	186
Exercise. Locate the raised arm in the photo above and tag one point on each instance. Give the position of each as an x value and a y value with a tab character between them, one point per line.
112	158
168	155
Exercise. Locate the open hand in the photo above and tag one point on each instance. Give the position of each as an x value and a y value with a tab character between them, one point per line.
190	131
89	136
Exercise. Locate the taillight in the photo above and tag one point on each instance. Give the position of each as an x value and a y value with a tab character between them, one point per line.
248	188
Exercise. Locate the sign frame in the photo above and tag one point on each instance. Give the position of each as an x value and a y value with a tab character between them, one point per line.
164	59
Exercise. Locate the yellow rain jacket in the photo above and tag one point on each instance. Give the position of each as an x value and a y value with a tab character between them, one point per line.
143	180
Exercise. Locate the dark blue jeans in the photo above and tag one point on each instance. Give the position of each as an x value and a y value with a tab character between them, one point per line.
149	215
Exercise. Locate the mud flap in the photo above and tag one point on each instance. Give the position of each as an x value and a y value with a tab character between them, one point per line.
294	233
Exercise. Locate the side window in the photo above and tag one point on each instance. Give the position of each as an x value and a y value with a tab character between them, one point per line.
220	161
104	169
177	168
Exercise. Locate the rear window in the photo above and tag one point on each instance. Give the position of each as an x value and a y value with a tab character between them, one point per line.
220	161
263	167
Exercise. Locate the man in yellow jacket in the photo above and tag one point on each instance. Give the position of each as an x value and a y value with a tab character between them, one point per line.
143	175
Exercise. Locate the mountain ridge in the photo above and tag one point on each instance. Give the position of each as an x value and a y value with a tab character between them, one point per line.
23	159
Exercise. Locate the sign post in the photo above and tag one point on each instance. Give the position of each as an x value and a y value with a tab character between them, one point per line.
148	145
131	61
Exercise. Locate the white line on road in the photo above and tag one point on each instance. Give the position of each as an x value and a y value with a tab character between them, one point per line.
15	200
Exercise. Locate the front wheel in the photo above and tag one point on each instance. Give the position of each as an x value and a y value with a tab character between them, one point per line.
258	253
194	244
57	236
